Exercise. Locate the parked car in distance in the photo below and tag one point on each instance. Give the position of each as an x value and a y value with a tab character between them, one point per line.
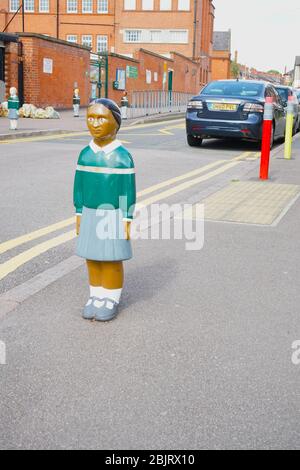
233	109
285	92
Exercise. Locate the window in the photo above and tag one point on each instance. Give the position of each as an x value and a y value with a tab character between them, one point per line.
72	38
87	6
129	4
156	36
184	5
87	40
102	44
14	5
166	4
29	6
72	6
44	6
133	35
236	88
177	37
148	5
102	6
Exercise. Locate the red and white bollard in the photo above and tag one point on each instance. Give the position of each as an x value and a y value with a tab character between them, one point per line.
266	139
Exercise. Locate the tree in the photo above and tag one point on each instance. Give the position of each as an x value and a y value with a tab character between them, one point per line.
274	72
235	70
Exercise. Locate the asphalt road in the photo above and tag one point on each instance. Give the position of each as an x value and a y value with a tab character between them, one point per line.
199	356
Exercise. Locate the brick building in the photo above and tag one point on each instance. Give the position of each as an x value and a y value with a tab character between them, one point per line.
121	26
221	56
44	69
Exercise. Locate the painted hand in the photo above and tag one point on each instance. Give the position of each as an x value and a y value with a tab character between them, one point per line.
127	229
78	220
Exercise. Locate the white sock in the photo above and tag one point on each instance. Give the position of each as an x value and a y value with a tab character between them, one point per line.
97	292
102	293
112	294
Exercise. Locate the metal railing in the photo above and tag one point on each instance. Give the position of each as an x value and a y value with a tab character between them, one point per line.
146	103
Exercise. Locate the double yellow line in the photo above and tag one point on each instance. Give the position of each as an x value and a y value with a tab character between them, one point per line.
86	133
178	184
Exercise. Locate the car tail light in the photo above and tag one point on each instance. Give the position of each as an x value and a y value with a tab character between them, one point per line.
253	108
195	105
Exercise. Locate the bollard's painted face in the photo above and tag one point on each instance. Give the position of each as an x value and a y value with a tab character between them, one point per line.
101	123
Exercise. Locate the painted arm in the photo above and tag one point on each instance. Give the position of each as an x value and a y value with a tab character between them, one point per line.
78	199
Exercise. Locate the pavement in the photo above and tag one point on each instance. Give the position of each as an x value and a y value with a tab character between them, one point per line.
66	124
200	356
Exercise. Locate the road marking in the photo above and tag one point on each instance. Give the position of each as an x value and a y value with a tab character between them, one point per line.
10	244
78	134
158	186
165	132
188	184
14	263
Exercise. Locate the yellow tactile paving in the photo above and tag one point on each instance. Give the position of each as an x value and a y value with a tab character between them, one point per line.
258	203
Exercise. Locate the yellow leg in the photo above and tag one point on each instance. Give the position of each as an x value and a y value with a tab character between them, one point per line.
95	273
112	274
107	274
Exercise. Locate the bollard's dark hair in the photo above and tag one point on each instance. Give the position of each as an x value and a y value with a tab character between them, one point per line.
112	106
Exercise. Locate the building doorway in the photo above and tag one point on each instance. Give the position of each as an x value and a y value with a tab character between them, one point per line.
170	80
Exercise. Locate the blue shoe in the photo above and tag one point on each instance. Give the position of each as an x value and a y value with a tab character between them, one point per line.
88	312
105	309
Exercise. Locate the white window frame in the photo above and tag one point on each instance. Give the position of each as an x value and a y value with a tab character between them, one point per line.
44	6
129	36
147	5
165	5
13	8
90	42
71	5
129	4
184	5
29	6
72	36
157	32
167	36
100	41
102	6
87	6
177	31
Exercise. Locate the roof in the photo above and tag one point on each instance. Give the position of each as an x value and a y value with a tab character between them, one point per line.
222	41
8	37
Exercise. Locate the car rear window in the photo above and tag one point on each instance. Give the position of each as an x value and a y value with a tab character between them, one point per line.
238	88
284	93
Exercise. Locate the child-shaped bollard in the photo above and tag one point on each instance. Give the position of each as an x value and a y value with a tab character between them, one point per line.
76	102
13	108
104	198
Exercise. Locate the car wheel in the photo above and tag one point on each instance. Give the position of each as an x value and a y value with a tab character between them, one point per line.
194	141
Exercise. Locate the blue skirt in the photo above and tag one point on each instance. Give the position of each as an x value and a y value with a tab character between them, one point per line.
102	236
13	114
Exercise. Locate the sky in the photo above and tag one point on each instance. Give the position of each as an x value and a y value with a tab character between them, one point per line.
266	33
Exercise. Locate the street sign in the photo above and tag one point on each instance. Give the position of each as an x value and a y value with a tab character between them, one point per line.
131	72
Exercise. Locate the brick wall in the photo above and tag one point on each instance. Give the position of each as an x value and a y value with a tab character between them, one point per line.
221	65
186	73
70	65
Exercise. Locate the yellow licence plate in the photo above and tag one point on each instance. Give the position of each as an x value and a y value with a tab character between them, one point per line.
223	107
